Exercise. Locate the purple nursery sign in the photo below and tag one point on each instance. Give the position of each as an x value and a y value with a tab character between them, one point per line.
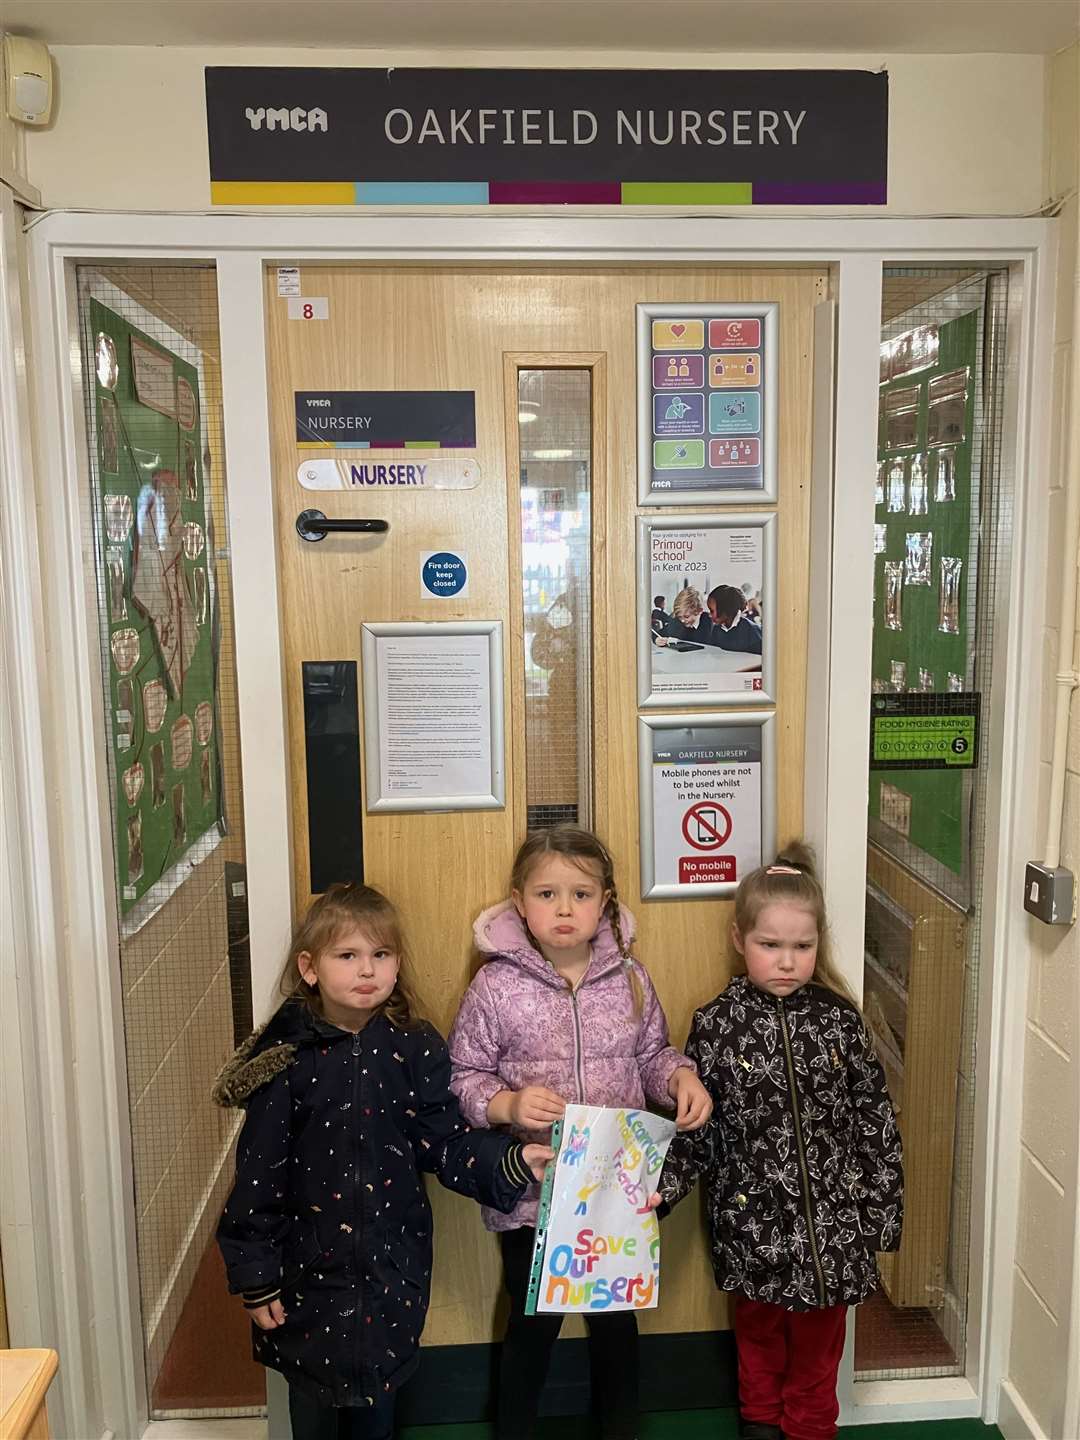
303	136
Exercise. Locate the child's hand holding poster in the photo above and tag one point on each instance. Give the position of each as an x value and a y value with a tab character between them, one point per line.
597	1241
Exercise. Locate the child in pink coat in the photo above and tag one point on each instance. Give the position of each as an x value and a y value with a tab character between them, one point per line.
562	1013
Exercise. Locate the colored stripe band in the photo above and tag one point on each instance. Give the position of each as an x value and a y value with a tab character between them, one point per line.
527	192
378	445
506	192
435	192
639	193
842	192
299	192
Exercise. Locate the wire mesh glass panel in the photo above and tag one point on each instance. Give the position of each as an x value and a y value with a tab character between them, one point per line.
555	426
940	497
158	536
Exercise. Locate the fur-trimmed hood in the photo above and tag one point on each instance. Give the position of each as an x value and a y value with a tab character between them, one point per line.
266	1052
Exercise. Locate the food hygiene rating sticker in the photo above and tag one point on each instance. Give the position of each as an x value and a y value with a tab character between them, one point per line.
925	731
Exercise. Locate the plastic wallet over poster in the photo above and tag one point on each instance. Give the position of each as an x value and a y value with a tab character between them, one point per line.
152	534
597	1246
707	792
706	609
707	403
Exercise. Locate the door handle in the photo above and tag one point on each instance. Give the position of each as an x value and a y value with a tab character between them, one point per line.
314	525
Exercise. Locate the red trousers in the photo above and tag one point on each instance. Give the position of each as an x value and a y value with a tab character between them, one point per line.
788	1361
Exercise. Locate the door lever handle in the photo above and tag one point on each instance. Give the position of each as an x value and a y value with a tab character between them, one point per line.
314	525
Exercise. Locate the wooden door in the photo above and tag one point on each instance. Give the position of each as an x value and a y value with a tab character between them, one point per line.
467	329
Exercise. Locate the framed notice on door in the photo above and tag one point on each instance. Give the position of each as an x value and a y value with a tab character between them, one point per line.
708	801
706	403
433	715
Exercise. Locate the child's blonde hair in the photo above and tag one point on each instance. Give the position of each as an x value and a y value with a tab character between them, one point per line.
339	909
581	848
688	605
776	882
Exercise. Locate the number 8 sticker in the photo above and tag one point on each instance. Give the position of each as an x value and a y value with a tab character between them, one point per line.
316	307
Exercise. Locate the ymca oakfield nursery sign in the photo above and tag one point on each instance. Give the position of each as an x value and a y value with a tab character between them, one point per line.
513	137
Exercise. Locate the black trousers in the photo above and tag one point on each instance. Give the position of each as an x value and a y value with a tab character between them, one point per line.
526	1354
312	1421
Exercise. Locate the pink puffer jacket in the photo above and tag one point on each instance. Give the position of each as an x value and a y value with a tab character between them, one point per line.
520	1024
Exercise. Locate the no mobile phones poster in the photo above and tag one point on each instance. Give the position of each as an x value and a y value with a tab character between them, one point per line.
708	805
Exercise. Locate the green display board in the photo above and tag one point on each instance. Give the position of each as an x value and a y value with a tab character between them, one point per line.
922	575
152	535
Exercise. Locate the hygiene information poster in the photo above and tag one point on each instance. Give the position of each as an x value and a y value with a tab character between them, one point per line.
597	1242
707	801
706	403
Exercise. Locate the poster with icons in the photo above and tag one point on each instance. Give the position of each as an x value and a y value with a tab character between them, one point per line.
706	403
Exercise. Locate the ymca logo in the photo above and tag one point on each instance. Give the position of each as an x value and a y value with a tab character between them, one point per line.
294	119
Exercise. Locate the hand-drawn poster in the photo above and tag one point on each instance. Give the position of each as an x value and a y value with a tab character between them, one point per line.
154	517
597	1242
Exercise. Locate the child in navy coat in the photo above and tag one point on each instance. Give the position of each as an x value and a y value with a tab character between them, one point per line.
327	1231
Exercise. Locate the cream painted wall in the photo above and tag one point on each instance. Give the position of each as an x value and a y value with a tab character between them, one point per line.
967	131
1043	1347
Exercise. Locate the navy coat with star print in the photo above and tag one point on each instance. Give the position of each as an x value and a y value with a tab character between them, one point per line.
328	1199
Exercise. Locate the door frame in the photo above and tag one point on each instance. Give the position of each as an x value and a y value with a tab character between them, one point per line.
84	1125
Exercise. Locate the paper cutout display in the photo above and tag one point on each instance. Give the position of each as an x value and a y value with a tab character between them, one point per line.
114	570
110	436
194	540
157	775
155	701
186	412
158	579
118	517
204	721
152	500
597	1244
181	743
135	847
179	811
191	471
124	645
107	368
133	782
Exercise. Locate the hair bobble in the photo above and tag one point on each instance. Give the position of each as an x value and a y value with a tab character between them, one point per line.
783	870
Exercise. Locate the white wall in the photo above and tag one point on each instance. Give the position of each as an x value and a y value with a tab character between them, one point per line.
966	131
1043	1347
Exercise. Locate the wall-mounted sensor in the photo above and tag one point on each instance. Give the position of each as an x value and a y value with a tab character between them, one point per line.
28	83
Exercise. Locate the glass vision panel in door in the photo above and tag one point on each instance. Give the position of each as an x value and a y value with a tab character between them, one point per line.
942	506
555	429
158	537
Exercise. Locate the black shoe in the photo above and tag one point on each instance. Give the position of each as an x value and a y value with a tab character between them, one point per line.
758	1430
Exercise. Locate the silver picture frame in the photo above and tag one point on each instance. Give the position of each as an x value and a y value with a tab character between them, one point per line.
492	795
729	696
730	493
653	884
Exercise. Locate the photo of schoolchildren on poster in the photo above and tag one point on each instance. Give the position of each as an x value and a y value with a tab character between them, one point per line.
706	609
